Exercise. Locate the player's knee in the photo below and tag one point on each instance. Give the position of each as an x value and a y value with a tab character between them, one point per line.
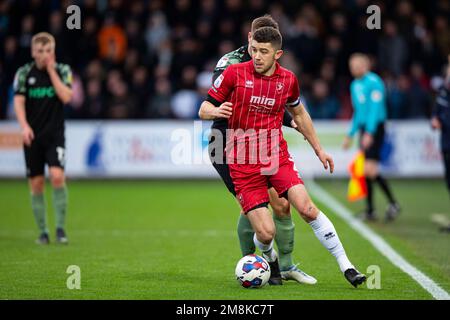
370	173
308	210
58	180
281	209
265	235
371	169
37	185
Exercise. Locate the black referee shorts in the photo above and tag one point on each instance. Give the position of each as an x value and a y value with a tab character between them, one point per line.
48	150
222	168
374	151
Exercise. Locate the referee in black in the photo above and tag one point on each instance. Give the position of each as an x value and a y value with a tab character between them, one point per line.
41	88
441	120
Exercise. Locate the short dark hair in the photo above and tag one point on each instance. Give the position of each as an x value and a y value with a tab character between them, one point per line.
268	34
264	21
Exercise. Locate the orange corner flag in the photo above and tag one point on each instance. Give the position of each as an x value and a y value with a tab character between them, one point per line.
357	188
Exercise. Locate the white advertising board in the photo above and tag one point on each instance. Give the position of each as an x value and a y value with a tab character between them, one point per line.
178	149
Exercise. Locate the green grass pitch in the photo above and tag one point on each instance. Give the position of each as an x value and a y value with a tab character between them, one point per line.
177	240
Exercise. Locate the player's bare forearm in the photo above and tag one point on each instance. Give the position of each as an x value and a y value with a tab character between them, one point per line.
63	92
210	112
206	111
19	108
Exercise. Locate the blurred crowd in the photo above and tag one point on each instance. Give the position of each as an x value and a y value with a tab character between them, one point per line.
154	58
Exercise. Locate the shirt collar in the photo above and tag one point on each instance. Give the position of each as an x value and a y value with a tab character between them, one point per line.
276	73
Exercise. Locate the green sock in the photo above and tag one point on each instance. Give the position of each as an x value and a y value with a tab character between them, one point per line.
245	234
38	207
284	239
60	205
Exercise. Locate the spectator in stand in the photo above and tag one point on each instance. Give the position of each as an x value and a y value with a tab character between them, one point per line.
396	95
404	18
9	63
122	104
159	105
140	89
93	106
24	38
419	101
185	102
442	34
393	50
322	104
134	36
304	42
112	41
157	32
88	40
5	7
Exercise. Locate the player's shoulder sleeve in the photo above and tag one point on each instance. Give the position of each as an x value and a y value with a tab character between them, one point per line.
352	86
223	85
294	91
442	98
376	112
228	59
376	83
20	79
65	73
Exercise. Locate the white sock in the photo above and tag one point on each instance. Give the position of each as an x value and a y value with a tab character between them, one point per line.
267	249
327	235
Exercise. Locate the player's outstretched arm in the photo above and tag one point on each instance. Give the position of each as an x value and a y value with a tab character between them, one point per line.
208	111
305	126
19	108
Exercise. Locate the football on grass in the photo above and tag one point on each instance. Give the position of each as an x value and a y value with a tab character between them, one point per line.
252	271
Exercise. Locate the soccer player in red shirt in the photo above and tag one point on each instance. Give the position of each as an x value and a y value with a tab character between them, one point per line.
285	228
252	96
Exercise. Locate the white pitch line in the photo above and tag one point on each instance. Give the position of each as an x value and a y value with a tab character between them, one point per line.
379	243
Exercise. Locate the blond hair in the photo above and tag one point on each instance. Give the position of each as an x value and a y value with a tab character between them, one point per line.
43	38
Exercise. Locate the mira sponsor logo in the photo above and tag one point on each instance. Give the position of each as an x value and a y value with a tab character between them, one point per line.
262	101
261	104
41	92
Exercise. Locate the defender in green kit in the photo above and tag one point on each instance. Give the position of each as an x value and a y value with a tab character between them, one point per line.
41	88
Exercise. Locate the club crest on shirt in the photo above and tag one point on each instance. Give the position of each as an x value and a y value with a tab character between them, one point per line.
241	199
249	84
31	80
280	86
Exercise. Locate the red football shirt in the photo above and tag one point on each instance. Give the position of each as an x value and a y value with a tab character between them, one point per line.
258	108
